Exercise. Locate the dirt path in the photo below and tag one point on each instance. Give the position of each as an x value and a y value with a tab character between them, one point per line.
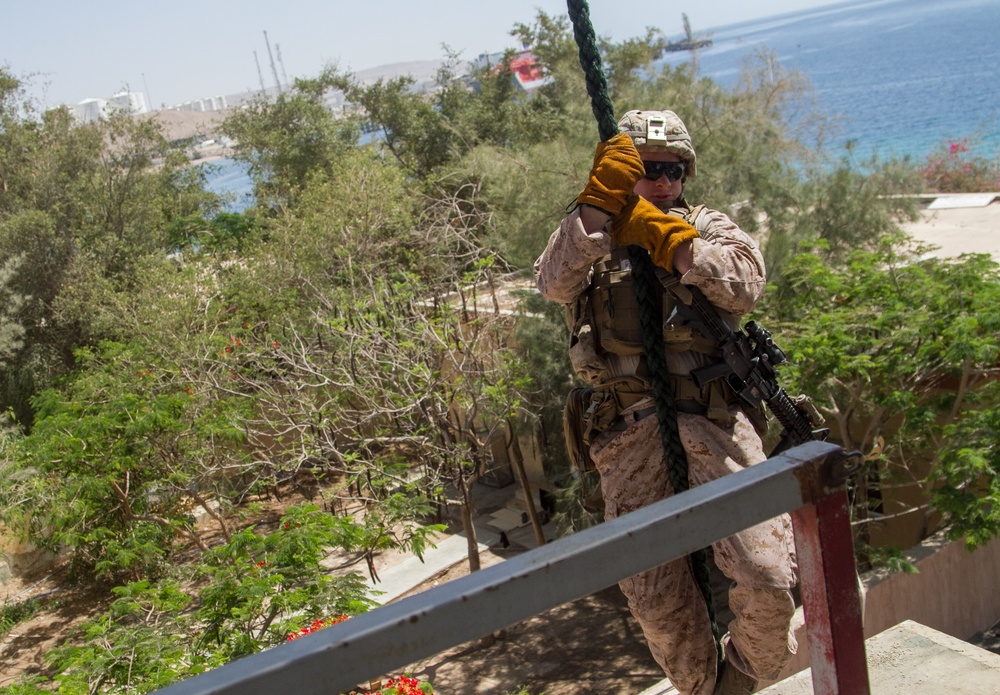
65	607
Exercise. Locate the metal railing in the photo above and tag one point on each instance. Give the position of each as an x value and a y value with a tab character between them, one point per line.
808	481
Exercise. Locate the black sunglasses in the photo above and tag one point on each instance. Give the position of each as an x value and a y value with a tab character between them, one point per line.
674	170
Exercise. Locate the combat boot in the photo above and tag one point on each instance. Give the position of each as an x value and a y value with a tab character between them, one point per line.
734	682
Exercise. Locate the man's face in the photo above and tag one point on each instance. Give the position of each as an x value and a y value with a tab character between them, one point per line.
662	192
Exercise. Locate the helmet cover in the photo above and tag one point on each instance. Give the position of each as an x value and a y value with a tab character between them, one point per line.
659	130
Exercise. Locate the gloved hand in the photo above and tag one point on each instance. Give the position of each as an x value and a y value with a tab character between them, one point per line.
617	168
643	224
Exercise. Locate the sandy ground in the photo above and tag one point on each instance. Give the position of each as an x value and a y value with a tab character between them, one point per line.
178	125
958	230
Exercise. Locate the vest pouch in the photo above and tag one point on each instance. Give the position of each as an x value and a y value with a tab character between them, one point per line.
587	363
676	338
613	305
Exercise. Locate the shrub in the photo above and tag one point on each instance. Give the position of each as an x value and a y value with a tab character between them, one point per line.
952	168
14	613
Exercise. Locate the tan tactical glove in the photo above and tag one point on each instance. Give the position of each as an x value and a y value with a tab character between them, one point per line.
643	224
617	168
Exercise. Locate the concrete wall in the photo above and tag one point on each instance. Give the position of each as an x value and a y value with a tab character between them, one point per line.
956	592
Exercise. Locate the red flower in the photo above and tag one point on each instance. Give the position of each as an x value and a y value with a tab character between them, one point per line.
316	625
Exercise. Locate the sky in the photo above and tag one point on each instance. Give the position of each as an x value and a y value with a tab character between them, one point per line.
180	50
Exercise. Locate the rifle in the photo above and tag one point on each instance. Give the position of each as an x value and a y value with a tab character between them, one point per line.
749	361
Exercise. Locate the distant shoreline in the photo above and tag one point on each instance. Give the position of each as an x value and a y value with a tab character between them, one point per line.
214	157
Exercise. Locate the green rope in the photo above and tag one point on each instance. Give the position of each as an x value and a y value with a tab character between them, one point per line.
593	72
648	292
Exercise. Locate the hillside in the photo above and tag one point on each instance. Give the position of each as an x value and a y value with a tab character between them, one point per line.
182	125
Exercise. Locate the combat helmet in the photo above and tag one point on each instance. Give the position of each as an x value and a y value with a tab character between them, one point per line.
655	130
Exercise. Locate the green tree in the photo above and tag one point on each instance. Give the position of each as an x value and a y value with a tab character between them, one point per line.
119	449
846	208
11	330
384	355
898	353
225	233
290	139
252	593
966	483
80	204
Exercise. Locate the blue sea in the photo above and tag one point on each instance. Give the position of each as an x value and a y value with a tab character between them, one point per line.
228	177
900	77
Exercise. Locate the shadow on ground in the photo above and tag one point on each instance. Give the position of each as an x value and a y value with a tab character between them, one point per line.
23	649
591	645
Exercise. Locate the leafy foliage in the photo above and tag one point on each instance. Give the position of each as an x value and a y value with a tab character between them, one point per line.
13	613
226	232
900	355
287	141
351	335
12	332
967	480
80	206
259	587
426	134
116	452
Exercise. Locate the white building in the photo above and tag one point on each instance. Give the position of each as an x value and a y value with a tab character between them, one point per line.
216	103
133	102
89	110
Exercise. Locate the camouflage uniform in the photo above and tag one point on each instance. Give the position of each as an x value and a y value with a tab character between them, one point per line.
666	601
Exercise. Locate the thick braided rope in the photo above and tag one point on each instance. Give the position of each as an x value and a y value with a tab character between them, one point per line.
590	61
648	294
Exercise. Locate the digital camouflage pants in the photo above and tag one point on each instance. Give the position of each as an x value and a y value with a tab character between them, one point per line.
760	560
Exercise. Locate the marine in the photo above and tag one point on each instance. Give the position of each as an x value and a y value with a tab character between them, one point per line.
634	196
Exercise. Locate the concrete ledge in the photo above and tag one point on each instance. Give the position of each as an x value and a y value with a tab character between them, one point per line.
911	659
957	230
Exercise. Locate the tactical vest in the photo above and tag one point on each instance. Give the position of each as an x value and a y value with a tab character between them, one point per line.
612	308
609	311
613	311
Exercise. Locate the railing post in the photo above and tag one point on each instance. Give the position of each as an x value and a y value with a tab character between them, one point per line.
829	584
